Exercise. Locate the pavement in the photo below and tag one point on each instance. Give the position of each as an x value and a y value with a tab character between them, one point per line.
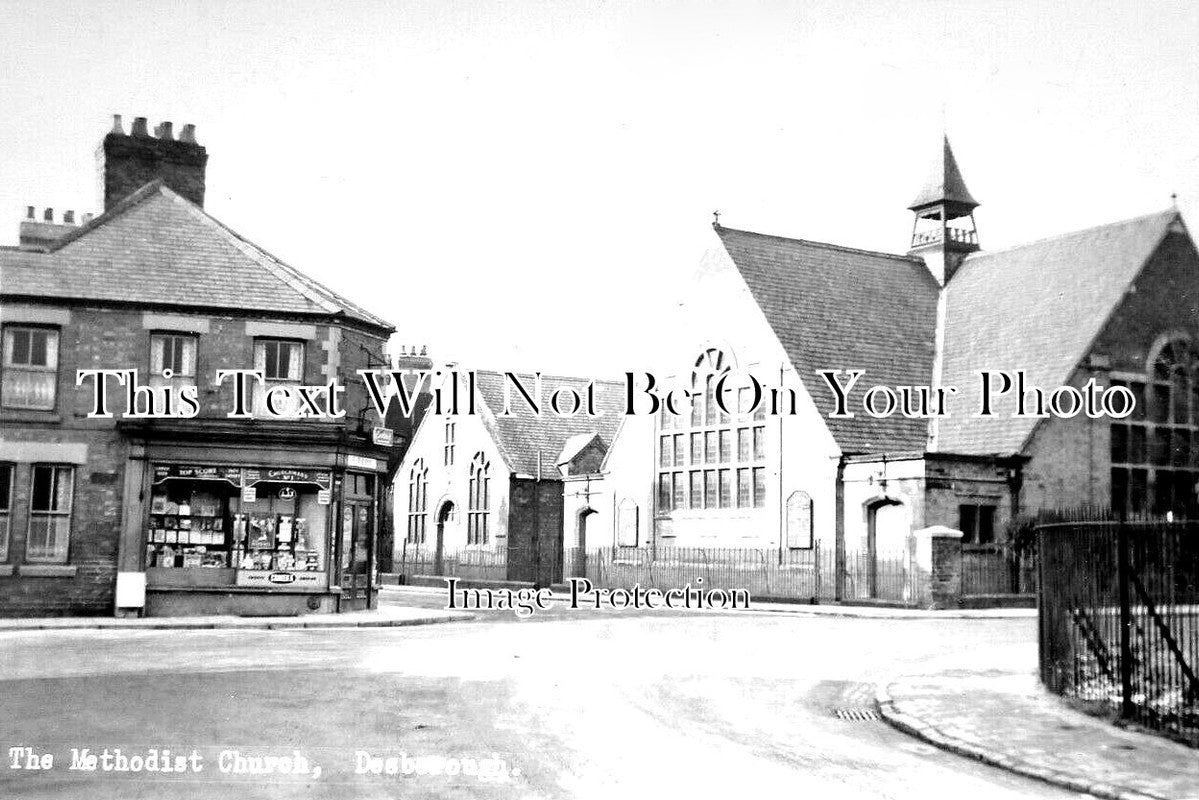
386	616
1004	718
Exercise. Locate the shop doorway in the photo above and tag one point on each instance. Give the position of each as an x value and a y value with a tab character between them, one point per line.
445	515
358	590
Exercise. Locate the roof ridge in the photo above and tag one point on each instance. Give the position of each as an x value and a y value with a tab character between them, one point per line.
321	295
843	248
1057	236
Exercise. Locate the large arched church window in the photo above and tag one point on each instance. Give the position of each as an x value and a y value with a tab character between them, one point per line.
478	500
712	458
418	490
1155	451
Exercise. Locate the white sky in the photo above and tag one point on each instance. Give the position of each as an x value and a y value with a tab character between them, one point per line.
527	185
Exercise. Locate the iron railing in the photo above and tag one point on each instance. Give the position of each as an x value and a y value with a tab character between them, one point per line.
998	569
1119	620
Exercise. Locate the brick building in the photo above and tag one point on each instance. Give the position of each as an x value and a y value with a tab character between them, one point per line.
487	488
270	513
1118	303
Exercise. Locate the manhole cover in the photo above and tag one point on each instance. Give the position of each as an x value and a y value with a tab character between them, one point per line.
856	714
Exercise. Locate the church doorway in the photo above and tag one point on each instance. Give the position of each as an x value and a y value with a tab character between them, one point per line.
445	516
887	558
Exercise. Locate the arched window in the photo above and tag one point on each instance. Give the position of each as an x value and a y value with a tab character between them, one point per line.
715	458
418	490
479	500
799	521
627	523
1155	451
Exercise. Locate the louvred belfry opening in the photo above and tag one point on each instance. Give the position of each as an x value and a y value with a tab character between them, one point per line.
943	231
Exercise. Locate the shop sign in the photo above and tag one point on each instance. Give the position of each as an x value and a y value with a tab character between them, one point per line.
321	479
280	577
249	494
287	493
359	462
324	497
197	472
383	437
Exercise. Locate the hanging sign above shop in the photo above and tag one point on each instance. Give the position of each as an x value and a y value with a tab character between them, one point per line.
287	493
324	497
359	462
249	494
383	437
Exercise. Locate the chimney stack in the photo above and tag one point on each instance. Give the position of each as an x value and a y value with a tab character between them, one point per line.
40	234
130	161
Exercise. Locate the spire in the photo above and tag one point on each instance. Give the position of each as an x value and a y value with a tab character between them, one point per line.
945	186
944	200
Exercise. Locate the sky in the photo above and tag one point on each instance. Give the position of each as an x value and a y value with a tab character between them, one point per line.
530	185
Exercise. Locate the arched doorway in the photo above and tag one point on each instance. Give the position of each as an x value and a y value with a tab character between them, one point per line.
445	514
578	564
887	534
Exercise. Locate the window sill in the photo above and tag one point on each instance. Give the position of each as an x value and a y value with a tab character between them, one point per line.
29	415
6	570
49	570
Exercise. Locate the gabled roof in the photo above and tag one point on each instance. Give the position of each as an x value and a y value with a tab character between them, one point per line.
1036	307
531	444
156	247
945	184
575	444
838	308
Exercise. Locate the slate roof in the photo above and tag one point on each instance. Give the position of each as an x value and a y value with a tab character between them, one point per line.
156	247
1036	307
839	308
525	437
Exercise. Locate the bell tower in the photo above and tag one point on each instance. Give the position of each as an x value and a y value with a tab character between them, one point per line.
943	232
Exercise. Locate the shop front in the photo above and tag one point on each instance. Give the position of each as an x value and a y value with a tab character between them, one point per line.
218	528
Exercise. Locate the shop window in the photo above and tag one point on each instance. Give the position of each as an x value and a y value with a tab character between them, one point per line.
800	530
30	376
175	352
977	523
6	477
1155	451
50	496
208	523
450	435
730	447
478	501
418	499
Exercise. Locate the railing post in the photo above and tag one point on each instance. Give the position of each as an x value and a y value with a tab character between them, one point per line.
1124	579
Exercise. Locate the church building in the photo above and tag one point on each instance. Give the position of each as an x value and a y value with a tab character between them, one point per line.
1117	304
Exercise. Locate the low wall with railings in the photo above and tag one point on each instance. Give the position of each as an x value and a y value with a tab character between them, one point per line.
804	575
1119	620
765	574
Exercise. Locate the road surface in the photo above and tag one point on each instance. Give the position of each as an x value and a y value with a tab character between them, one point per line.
566	704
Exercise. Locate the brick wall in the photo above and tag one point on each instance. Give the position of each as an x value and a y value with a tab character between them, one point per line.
1070	458
103	338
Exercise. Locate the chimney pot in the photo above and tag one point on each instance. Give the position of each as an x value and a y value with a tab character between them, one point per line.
164	130
117	125
424	350
30	212
68	217
139	127
188	133
48	216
